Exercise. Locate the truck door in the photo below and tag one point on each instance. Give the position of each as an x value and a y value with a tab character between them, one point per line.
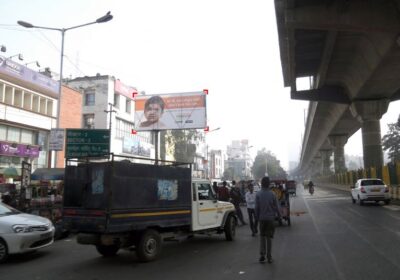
207	204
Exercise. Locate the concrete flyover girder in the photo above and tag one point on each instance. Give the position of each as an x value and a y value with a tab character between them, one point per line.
352	51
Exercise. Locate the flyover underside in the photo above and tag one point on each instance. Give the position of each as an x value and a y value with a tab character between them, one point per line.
351	51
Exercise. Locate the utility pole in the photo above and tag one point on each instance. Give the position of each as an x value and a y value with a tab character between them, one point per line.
110	110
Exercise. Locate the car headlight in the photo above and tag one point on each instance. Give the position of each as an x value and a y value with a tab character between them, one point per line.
21	228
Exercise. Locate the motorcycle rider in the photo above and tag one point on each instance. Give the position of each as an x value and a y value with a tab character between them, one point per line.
311	187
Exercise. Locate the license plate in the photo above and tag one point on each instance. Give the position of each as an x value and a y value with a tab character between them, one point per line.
375	190
45	235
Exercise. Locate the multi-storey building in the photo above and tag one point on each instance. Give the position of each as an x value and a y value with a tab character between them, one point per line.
108	103
239	160
28	111
216	164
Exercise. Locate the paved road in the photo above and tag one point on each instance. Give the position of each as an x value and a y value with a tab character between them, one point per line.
330	238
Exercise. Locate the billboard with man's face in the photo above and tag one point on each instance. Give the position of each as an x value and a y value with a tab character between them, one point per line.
170	111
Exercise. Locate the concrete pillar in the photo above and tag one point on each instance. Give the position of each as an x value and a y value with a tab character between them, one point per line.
326	161
369	114
338	142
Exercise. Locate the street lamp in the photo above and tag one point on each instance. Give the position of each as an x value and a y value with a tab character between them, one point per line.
105	18
207	159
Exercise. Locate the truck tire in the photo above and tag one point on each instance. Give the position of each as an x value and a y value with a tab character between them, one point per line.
107	250
149	245
230	228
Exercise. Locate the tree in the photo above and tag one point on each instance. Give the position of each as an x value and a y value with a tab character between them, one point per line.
182	142
266	161
391	141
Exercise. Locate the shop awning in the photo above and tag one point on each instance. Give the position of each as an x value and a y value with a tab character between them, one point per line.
48	174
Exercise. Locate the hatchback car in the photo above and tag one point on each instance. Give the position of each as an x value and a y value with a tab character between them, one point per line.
370	190
21	232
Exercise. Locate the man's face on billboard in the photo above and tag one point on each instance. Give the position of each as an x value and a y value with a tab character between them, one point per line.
153	112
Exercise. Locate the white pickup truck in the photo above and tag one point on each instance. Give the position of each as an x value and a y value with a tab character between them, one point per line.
120	204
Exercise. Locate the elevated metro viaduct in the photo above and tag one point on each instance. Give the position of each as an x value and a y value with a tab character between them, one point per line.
350	50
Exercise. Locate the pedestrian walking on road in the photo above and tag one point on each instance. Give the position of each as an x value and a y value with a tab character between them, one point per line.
251	204
223	192
266	208
215	187
236	198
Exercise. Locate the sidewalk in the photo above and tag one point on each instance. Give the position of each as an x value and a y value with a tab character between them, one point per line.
344	188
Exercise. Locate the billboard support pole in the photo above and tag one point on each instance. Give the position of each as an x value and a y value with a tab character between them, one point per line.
156	144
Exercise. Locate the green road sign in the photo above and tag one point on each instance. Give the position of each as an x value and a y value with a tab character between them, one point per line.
87	143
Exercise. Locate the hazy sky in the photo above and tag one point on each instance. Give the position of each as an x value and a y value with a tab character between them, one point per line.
229	47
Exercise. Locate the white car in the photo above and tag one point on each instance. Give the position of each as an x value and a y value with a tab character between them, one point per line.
370	189
20	232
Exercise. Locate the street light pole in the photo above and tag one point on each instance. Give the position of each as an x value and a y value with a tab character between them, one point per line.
105	18
207	160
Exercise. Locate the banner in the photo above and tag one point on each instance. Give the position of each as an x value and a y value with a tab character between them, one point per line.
23	73
170	111
20	150
125	90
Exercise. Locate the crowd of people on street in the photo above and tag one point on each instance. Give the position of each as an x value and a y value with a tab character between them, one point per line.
262	208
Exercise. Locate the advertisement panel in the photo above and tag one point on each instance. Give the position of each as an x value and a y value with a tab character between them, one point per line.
137	148
170	111
20	150
23	73
125	90
56	141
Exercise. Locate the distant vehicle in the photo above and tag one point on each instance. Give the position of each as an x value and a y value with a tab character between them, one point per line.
21	232
291	187
370	189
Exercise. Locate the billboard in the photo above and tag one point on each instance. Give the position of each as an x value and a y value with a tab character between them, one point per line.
170	111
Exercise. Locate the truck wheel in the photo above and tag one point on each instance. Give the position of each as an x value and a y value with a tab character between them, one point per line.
107	250
3	251
230	228
149	246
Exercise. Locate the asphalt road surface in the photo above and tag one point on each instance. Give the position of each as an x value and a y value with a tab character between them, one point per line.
330	238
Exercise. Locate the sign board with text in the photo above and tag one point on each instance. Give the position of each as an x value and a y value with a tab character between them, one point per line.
56	141
87	143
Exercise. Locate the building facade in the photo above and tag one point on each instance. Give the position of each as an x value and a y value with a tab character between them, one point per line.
107	102
28	111
216	164
239	160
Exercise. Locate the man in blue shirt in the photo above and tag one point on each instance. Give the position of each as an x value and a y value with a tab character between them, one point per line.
267	209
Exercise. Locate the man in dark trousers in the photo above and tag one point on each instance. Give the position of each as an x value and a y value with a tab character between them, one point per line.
223	192
236	199
267	208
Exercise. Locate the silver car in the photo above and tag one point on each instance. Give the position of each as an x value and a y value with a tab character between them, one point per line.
20	232
370	189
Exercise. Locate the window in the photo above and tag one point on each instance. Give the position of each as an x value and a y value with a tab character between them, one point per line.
88	121
26	136
116	100
13	134
128	106
3	132
90	97
205	192
123	128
